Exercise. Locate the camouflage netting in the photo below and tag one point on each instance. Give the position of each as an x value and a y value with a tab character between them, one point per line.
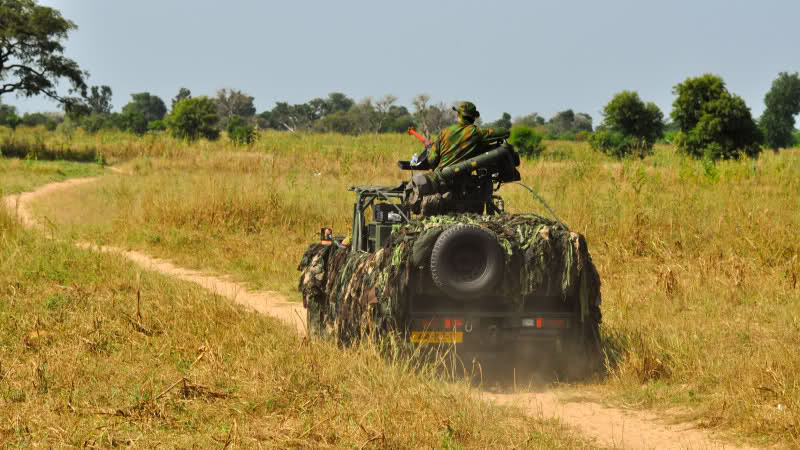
347	292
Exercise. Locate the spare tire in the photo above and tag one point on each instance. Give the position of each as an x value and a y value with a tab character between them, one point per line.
466	261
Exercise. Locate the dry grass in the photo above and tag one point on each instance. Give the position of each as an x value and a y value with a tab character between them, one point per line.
94	354
700	263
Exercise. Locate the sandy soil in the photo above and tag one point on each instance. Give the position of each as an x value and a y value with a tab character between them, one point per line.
609	427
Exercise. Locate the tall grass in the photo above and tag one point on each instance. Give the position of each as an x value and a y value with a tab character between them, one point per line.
96	354
699	261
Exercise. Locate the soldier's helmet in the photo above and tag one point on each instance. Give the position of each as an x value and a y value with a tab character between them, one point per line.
467	110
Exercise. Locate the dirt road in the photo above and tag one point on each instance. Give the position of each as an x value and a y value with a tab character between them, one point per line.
609	427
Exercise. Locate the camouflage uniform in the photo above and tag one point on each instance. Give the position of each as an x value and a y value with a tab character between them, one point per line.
462	140
459	142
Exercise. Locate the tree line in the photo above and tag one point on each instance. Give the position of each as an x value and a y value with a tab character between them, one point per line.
707	121
336	113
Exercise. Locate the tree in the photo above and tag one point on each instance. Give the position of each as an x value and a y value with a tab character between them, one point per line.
382	108
338	102
421	111
99	100
194	118
561	123
628	114
134	121
504	122
338	122
7	111
182	94
143	109
440	116
714	123
399	120
629	126
567	123
9	117
31	51
364	116
233	102
693	94
583	122
531	120
149	106
95	122
783	103
432	118
34	119
291	117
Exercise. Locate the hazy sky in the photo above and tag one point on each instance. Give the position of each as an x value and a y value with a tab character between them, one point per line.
514	56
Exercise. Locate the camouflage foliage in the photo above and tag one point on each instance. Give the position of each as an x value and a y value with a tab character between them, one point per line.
348	293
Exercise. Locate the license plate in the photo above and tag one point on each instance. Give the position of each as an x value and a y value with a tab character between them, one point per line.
437	337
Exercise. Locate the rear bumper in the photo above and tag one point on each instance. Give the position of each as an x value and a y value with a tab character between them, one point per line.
490	333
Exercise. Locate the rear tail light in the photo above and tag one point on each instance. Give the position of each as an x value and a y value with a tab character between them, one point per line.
540	322
453	323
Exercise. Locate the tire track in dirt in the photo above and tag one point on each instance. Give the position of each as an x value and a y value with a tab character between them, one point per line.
609	427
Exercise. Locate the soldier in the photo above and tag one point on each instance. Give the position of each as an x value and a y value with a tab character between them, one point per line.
457	143
463	140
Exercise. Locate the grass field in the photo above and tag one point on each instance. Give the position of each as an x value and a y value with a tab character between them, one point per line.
96	354
699	261
20	175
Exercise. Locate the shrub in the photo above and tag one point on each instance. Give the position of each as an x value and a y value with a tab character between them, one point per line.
134	121
619	145
194	118
34	119
157	125
527	141
240	131
12	121
669	136
94	123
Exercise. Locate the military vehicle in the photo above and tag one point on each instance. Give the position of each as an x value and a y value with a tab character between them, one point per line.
517	286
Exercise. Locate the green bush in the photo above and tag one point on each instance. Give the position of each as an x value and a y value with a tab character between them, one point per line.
194	118
796	140
94	123
134	121
240	131
619	145
527	141
669	136
12	121
157	125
